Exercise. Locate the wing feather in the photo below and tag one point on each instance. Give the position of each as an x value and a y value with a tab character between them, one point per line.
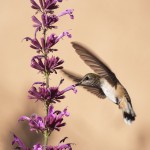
77	78
73	76
98	92
97	65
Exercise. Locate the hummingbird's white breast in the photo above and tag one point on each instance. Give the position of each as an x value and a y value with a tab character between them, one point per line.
108	90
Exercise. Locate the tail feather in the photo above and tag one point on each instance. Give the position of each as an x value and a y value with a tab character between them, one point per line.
129	114
128	117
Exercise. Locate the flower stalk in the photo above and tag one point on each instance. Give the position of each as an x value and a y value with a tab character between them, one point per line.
46	135
46	64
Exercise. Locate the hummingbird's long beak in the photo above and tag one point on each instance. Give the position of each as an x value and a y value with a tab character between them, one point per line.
77	84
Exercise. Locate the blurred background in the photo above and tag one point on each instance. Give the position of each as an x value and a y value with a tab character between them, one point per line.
117	31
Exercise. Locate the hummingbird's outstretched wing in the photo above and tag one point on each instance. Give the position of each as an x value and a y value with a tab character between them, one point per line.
73	76
98	92
78	78
95	63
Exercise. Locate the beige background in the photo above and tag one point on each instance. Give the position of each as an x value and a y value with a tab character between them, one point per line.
118	31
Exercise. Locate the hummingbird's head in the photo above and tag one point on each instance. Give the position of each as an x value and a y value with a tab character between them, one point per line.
89	79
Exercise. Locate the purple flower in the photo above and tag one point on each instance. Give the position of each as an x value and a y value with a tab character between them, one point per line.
65	33
37	25
35	122
35	5
49	5
37	147
45	5
46	46
67	11
60	146
49	20
20	144
46	65
52	40
53	121
43	93
49	94
34	44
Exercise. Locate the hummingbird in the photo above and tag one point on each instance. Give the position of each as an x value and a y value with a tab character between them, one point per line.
103	83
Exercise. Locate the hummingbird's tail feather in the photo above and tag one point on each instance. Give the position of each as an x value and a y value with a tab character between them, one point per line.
128	113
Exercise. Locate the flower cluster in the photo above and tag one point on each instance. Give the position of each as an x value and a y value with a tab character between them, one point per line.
48	94
45	5
22	146
48	21
53	121
46	65
44	20
45	46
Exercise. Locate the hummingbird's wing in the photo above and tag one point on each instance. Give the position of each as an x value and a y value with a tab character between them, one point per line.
95	63
78	78
98	92
73	76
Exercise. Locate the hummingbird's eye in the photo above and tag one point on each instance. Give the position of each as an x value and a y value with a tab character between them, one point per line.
87	78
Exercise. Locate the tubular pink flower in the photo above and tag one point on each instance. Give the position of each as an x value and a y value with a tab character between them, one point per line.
49	94
19	143
46	65
53	120
67	12
45	5
46	46
49	20
35	122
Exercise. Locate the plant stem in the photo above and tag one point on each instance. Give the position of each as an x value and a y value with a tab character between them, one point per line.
45	139
47	80
46	134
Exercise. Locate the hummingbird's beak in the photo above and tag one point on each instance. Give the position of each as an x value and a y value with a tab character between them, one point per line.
77	84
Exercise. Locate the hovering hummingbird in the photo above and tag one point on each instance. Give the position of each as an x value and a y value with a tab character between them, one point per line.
103	83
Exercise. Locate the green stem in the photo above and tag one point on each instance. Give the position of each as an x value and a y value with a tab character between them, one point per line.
47	80
45	139
46	133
